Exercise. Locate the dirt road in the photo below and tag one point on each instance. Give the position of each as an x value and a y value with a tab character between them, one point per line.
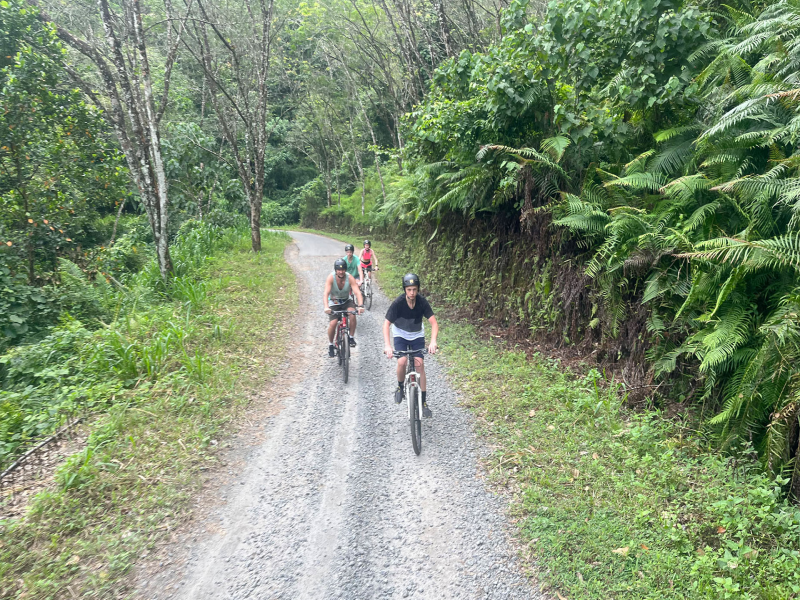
334	503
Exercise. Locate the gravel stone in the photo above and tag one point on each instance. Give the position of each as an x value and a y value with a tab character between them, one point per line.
333	503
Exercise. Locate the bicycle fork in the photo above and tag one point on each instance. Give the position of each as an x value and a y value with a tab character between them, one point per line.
411	380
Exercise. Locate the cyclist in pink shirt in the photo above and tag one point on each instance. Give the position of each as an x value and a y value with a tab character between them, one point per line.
369	261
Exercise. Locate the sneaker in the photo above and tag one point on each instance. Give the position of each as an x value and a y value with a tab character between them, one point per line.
352	342
426	412
398	395
331	350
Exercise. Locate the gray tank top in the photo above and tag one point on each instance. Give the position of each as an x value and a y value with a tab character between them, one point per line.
340	296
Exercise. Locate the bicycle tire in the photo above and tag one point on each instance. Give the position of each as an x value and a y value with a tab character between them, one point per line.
346	358
368	299
415	422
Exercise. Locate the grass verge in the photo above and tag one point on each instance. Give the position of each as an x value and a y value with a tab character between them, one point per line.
132	482
617	504
613	503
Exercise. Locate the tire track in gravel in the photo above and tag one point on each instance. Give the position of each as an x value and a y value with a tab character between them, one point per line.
334	503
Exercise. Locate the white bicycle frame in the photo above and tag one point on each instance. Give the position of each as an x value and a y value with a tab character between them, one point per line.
411	380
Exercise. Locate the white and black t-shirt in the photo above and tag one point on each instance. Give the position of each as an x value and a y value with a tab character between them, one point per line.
407	322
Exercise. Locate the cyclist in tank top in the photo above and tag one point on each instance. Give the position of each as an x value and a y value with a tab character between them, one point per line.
368	257
339	286
368	261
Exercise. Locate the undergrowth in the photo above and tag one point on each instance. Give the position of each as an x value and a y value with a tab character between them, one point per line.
621	504
163	380
614	503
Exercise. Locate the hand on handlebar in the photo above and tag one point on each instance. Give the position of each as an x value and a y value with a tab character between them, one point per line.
328	310
388	351
361	310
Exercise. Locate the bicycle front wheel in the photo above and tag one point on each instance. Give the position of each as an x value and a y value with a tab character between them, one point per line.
414	418
368	298
346	356
339	350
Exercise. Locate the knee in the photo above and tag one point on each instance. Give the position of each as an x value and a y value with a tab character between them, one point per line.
420	363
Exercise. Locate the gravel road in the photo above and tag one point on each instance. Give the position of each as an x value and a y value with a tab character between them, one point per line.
334	503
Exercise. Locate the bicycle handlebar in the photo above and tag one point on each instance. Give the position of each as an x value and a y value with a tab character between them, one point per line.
399	353
343	312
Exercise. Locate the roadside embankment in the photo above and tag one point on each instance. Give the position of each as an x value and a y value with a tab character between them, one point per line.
186	370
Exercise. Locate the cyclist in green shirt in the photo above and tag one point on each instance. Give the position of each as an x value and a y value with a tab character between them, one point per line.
353	264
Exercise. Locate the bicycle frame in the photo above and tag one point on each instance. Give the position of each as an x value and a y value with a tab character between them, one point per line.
342	323
412	381
412	377
368	271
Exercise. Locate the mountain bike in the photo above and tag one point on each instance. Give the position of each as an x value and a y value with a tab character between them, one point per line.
413	397
366	287
341	341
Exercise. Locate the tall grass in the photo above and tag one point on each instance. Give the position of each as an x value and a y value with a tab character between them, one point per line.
146	332
163	379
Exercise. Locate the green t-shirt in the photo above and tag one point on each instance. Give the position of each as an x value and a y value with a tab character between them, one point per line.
352	266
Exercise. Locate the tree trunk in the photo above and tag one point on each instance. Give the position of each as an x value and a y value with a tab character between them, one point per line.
444	28
116	222
130	108
235	97
255	228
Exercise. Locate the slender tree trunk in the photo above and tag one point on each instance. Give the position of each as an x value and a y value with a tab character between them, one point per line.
129	104
360	167
444	28
328	184
367	122
116	222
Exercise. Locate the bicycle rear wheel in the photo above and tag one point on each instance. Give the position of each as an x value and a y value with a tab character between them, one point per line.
346	356
415	422
339	349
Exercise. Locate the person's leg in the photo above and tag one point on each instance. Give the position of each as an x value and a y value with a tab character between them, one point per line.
353	325
400	345
331	333
332	329
401	370
420	364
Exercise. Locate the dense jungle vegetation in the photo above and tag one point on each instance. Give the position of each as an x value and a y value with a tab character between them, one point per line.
622	176
616	177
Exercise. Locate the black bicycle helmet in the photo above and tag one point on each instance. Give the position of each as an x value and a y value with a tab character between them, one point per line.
349	247
339	264
367	243
410	279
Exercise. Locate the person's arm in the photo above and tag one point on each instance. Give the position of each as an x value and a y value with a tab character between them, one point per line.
328	284
375	259
434	334
387	341
360	271
357	293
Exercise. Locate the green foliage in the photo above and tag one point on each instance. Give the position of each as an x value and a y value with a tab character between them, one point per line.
715	228
24	309
274	213
150	440
74	370
58	170
668	156
622	504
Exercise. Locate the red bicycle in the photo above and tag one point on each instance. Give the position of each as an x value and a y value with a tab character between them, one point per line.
341	341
